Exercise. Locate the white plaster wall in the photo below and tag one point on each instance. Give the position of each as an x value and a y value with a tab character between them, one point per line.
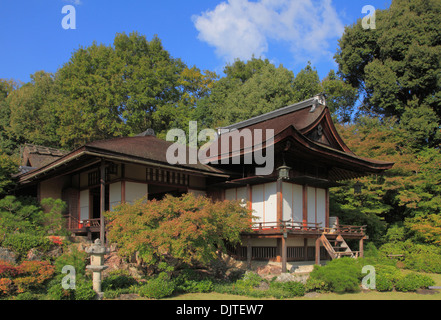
84	204
135	191
292	202
114	194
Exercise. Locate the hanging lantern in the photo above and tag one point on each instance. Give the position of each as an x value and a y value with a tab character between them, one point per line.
283	170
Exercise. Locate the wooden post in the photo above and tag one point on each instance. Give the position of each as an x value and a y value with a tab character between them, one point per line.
279	207
305	205
361	248
102	200
317	251
305	249
284	254
278	250
249	253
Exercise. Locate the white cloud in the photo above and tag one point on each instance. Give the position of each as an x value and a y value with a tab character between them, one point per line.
240	28
75	2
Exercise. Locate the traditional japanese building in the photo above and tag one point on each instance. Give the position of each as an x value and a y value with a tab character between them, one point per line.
281	164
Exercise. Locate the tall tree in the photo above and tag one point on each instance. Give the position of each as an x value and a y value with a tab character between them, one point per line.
396	66
6	88
255	87
32	118
119	90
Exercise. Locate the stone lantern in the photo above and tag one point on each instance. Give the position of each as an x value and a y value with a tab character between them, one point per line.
97	252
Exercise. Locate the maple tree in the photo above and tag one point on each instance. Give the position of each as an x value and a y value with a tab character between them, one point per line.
187	229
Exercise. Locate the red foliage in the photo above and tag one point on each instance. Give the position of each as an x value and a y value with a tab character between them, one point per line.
56	240
7	270
28	275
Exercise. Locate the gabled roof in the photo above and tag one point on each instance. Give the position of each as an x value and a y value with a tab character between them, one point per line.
35	156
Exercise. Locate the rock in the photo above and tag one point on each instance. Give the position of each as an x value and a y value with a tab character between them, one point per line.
269	269
34	255
55	252
288	277
7	256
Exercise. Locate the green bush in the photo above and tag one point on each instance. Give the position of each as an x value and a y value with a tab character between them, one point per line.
21	243
389	272
340	275
286	289
75	258
118	279
249	280
83	289
424	258
413	282
383	283
56	291
26	296
160	287
249	286
316	285
193	286
113	294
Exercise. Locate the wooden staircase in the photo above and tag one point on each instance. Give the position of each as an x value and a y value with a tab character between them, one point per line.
337	246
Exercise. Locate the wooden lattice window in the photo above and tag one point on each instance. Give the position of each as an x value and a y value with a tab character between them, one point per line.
93	178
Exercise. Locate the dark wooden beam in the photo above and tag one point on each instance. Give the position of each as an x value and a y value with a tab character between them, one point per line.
102	200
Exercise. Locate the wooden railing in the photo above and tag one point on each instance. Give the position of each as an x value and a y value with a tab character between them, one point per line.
73	223
294	226
342	229
286	225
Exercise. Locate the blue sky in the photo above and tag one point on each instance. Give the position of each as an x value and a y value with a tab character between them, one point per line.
205	33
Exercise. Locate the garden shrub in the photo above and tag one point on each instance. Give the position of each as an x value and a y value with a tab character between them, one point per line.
21	243
389	272
413	282
288	289
193	286
249	280
29	275
160	287
7	270
384	283
83	289
75	258
340	275
316	285
249	286
424	258
6	287
32	275
56	292
118	279
27	296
